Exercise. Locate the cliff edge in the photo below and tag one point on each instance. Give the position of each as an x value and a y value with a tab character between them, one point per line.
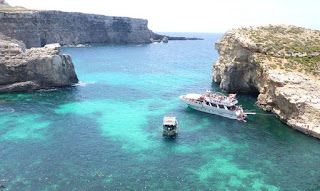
282	64
29	69
38	28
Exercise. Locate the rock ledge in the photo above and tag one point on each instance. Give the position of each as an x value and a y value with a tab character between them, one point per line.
282	64
29	69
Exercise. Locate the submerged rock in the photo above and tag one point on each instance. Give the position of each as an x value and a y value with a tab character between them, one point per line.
28	69
256	60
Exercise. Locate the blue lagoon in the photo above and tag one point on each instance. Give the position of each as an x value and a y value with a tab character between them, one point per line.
105	133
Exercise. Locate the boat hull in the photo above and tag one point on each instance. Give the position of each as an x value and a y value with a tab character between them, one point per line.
170	134
213	110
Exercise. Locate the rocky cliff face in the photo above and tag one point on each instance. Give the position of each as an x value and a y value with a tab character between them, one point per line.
27	69
3	4
38	28
282	64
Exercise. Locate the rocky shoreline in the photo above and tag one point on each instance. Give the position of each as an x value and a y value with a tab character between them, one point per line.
24	69
165	38
281	64
34	68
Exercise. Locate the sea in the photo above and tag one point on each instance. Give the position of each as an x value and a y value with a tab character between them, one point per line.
105	133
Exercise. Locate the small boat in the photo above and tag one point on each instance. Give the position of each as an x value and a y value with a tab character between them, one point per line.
215	103
170	126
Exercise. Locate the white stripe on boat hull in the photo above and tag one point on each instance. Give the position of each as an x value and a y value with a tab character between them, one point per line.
212	110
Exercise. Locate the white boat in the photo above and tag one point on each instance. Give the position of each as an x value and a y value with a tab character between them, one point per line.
215	103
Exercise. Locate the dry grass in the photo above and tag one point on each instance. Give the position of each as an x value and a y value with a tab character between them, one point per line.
16	10
285	47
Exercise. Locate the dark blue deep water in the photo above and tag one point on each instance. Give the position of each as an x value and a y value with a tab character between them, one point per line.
105	132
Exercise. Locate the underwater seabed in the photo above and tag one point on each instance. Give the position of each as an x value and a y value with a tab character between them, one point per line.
105	133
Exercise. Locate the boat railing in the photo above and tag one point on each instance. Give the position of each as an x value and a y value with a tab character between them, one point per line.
216	99
228	103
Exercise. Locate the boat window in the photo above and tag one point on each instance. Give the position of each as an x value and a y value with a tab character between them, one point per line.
221	106
232	108
213	105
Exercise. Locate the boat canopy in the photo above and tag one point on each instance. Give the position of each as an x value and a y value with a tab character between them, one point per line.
168	120
193	96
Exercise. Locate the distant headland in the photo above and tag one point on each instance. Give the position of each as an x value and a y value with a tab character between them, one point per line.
37	28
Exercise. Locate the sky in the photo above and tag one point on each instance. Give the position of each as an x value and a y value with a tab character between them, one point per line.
212	16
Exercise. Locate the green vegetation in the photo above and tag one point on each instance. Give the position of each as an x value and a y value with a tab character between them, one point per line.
274	66
289	47
261	69
308	64
231	47
269	57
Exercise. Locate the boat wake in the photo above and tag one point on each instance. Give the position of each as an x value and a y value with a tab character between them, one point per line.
84	83
48	90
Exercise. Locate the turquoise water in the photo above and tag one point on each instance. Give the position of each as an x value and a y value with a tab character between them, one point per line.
105	133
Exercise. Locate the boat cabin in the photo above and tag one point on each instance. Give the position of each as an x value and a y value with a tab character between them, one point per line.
170	126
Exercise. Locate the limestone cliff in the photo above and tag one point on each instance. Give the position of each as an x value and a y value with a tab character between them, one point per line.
38	28
282	64
27	69
3	4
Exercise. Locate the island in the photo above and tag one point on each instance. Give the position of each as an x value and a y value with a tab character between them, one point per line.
279	62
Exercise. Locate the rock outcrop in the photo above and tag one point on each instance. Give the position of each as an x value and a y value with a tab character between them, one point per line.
29	69
282	64
38	28
165	39
159	38
3	4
